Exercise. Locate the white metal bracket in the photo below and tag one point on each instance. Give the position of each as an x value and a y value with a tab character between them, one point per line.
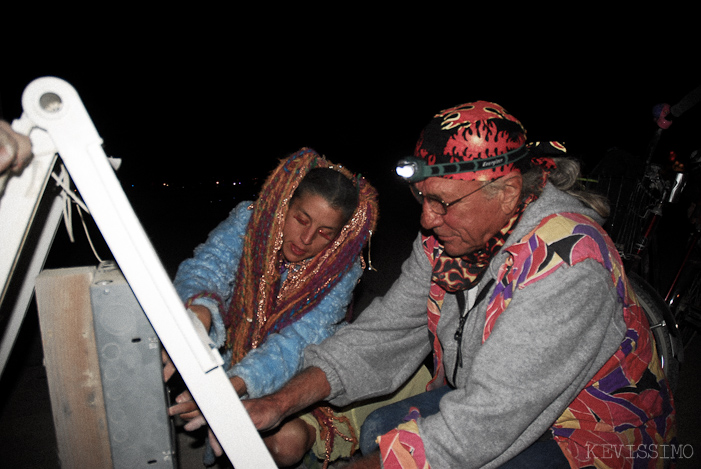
57	123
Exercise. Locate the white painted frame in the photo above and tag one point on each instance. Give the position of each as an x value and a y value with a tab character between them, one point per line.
53	109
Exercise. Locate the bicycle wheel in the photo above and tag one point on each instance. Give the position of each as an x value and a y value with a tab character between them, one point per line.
663	326
686	306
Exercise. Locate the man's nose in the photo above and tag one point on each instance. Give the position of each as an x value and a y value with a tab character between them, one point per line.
429	218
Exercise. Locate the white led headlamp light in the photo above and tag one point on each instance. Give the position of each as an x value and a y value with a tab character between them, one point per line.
413	169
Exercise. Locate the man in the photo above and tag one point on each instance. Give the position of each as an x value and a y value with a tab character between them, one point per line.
554	365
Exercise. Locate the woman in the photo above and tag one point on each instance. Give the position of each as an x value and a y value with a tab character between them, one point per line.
278	274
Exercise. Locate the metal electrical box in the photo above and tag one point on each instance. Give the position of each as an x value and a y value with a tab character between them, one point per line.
129	352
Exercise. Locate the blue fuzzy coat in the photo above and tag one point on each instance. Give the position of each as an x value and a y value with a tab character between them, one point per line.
212	269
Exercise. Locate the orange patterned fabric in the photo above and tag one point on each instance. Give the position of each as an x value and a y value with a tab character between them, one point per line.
403	448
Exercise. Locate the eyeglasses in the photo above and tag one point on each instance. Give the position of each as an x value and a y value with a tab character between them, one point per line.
439	206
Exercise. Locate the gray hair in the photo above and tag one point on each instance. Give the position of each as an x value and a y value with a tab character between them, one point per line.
566	178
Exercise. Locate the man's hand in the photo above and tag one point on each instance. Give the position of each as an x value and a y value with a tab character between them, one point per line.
306	388
265	412
370	461
15	149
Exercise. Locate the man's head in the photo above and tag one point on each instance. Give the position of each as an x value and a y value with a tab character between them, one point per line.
467	176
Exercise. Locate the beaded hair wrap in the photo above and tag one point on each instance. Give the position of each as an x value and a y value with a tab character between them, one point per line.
260	305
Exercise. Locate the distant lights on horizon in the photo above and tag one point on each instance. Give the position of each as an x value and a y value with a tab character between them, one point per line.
235	183
216	183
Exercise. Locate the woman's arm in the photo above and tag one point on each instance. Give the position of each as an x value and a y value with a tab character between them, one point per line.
267	368
209	275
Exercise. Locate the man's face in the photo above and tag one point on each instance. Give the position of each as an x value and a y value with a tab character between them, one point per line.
467	225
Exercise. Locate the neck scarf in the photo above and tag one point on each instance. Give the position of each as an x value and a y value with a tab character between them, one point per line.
462	273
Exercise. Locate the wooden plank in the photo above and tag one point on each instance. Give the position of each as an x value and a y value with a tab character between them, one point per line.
72	367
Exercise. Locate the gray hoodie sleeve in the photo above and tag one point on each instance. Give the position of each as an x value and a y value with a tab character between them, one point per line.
380	350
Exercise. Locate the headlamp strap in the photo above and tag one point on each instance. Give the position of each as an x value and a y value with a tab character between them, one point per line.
478	165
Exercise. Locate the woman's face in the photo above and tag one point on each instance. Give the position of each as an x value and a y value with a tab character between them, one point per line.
311	224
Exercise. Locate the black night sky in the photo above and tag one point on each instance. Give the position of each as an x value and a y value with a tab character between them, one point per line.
200	101
193	118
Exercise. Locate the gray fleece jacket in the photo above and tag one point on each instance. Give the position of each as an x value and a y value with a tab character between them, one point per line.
548	343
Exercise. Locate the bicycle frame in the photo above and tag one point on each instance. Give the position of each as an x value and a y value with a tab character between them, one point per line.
638	209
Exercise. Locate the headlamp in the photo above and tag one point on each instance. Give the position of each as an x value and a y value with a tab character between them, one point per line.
413	169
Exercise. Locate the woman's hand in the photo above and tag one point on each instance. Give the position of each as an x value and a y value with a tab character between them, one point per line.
203	314
198	422
239	385
168	367
205	317
185	407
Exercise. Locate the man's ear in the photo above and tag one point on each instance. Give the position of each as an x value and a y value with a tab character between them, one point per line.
511	195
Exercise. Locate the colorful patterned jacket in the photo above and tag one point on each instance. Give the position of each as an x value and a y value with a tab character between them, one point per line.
536	352
625	412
